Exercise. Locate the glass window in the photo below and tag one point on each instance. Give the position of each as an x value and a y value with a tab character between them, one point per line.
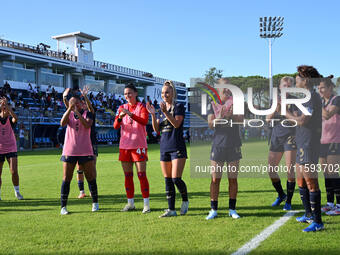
94	85
115	88
22	75
56	80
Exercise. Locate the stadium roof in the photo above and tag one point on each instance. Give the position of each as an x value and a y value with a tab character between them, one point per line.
79	33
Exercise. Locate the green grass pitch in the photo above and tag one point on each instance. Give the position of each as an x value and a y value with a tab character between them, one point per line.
34	225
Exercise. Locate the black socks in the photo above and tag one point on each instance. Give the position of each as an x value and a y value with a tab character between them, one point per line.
65	190
170	192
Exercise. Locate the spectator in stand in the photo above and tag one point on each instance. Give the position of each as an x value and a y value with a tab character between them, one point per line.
22	137
29	89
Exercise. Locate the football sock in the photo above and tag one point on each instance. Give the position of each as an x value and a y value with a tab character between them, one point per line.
81	185
278	188
144	184
304	195
180	184
16	188
329	190
129	186
336	185
93	190
146	201
315	201
290	191
65	190
214	205
170	193
232	204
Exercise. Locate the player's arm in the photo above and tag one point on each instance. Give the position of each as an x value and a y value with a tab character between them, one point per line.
3	102
65	119
237	118
87	123
211	118
87	101
155	122
11	112
176	121
65	94
332	109
119	118
301	120
143	119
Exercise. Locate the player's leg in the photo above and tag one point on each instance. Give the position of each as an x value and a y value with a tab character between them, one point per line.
216	177
68	168
304	195
129	185
178	165
274	159
290	157
144	185
80	180
90	174
169	185
328	185
328	181
1	166
333	168
13	167
233	168
311	178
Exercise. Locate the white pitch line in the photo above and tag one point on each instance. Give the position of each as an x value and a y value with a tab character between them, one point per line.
257	240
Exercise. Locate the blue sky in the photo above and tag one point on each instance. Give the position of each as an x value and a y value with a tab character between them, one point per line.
182	39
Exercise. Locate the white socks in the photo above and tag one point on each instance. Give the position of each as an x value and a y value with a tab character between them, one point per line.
146	202
131	201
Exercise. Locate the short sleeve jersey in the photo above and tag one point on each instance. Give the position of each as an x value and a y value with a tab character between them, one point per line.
171	137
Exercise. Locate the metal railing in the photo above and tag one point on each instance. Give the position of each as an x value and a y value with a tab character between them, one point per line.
43	50
122	69
39	49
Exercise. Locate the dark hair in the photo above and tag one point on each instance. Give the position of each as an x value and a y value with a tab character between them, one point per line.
76	97
131	86
310	73
328	81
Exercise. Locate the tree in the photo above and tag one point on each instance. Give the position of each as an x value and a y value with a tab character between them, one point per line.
212	75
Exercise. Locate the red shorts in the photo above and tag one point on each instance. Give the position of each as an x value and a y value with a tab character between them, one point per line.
133	155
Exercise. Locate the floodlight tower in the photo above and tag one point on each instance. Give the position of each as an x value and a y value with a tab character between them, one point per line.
270	29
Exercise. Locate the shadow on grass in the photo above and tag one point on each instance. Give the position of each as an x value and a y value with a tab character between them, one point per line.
300	251
102	149
120	199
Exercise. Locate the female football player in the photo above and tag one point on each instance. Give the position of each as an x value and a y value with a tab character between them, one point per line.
330	144
282	142
308	134
132	118
172	146
77	149
8	144
226	148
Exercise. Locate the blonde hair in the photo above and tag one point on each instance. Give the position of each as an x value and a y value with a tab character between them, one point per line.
170	84
289	79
